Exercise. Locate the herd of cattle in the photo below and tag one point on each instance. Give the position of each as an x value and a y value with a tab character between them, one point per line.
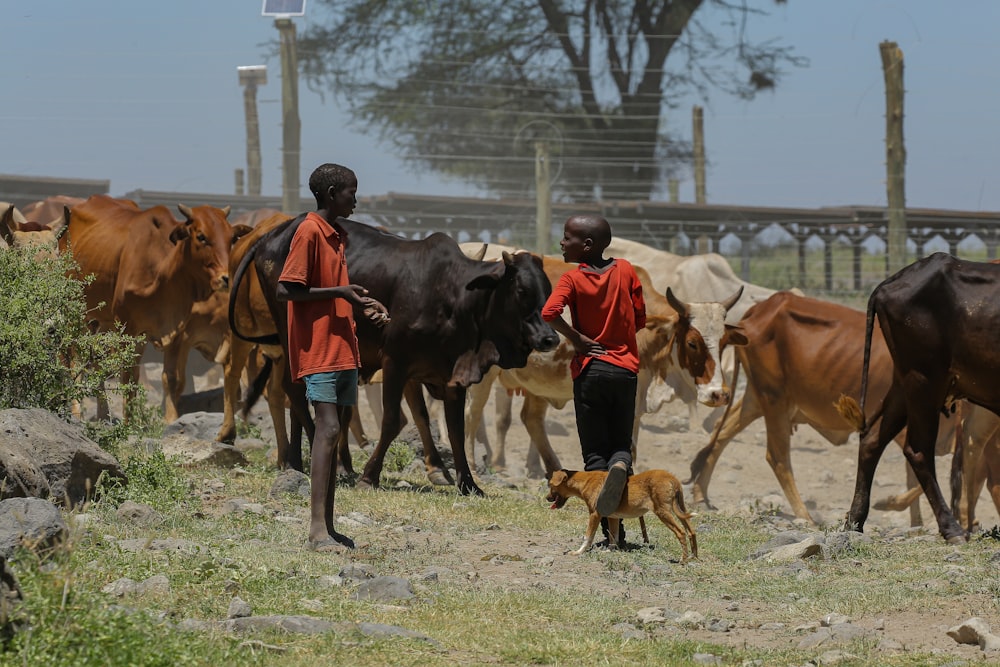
467	317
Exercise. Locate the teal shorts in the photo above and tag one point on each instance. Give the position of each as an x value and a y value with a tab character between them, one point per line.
340	387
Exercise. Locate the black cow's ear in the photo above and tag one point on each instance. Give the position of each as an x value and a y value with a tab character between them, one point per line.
489	278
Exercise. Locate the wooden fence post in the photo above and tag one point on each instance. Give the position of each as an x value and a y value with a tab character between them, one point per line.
895	152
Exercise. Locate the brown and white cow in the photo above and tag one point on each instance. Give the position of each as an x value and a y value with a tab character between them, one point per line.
939	317
148	268
802	356
677	335
19	230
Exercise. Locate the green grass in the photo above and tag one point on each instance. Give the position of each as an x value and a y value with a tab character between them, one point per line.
506	594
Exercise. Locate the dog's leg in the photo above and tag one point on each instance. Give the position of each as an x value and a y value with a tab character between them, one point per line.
588	541
614	528
666	515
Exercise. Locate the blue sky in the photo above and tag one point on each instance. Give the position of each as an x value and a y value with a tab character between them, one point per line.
146	95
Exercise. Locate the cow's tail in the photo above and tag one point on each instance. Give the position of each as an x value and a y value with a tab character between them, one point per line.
698	463
849	409
251	253
256	388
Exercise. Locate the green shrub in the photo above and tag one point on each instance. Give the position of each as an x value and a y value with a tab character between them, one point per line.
44	324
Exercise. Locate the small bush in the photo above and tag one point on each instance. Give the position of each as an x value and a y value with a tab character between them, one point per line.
44	325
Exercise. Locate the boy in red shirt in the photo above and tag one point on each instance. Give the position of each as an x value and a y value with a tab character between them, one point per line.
604	297
322	344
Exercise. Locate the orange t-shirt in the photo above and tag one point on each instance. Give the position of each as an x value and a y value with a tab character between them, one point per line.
321	334
607	307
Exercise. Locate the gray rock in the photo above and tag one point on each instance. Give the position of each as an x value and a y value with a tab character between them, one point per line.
291	482
137	513
158	584
299	625
44	456
384	589
152	544
356	572
238	608
121	587
31	523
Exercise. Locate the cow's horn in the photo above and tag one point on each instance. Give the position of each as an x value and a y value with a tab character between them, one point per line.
675	303
480	254
226	210
507	259
185	211
731	301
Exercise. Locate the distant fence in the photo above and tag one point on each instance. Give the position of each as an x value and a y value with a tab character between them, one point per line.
824	250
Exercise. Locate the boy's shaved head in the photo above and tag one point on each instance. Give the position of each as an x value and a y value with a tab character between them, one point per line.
594	226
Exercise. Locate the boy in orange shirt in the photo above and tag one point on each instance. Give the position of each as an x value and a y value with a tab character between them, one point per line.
322	344
604	297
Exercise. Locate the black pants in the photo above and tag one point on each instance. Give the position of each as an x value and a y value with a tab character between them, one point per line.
604	398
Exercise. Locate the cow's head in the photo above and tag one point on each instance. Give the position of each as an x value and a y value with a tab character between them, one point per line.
700	336
513	322
209	236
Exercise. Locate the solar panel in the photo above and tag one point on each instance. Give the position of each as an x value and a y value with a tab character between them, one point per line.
283	8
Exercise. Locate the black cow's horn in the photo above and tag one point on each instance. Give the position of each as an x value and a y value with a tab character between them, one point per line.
731	301
507	259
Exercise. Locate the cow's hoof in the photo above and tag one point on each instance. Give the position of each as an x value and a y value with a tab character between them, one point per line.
536	473
472	490
440	478
957	539
364	485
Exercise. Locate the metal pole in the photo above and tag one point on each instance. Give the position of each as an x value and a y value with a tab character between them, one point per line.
290	123
543	195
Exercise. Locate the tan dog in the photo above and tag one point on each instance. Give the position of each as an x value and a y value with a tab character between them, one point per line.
654	490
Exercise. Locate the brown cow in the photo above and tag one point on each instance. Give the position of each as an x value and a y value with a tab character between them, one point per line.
802	355
148	269
939	316
698	328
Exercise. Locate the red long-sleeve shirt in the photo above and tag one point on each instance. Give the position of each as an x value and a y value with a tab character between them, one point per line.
605	306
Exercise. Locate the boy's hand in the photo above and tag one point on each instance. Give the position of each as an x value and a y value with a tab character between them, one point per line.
375	312
588	347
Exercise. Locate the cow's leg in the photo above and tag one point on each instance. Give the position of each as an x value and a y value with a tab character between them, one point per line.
173	376
479	395
533	415
979	433
744	412
503	404
778	423
299	407
437	472
393	382
870	448
921	427
235	362
454	414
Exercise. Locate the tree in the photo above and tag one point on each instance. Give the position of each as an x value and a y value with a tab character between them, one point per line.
465	87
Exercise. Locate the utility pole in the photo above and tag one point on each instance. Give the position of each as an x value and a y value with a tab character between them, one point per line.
543	198
895	154
250	77
290	123
698	133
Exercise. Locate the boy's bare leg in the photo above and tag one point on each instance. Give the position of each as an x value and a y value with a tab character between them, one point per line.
323	480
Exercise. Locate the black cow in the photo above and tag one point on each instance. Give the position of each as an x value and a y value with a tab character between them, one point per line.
452	319
940	318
